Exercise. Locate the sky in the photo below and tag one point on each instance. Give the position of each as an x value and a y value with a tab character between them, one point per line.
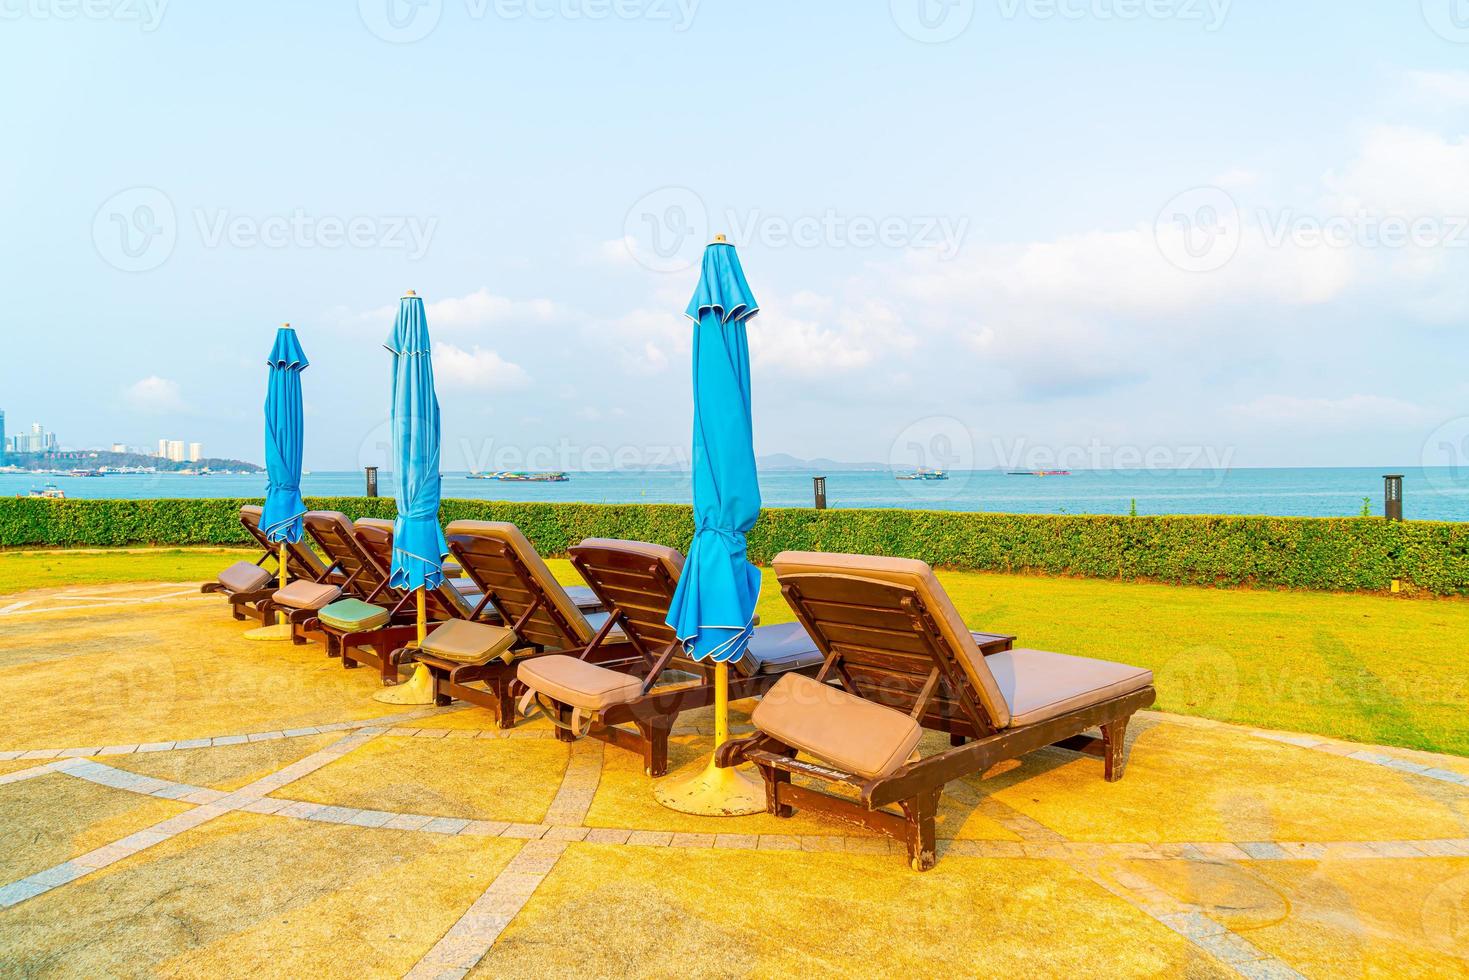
982	232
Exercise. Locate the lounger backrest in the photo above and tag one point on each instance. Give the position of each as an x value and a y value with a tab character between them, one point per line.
890	623
638	579
334	534
376	538
304	563
507	567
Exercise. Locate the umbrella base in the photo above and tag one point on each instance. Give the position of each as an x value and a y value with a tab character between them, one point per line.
419	689
280	631
712	792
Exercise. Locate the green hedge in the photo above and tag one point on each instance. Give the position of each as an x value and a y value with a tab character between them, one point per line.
1335	554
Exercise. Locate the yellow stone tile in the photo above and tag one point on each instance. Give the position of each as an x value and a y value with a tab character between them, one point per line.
792	913
166	672
470	778
54	818
1370	918
255	895
1189	784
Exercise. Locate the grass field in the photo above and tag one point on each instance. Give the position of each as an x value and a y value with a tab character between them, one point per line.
1369	668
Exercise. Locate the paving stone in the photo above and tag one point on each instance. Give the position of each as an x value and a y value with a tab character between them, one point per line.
119	750
692	840
570	834
1266	969
18	891
229	740
265	736
1192	925
821	844
79	753
192	743
1229	947
370	818
607	835
658	838
42	754
155	747
526	831
299	809
176	791
402	732
335	814
740	842
445	825
408	821
779	842
1263	850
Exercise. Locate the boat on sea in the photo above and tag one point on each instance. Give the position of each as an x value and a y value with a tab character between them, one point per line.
87	473
924	474
515	476
1040	472
49	492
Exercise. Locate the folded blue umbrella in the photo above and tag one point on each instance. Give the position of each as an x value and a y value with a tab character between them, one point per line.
418	541
284	509
713	610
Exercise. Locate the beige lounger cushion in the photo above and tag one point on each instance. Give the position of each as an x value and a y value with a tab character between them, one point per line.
914	574
579	684
302	594
836	727
469	643
379	523
244	576
1039	686
509	534
670	558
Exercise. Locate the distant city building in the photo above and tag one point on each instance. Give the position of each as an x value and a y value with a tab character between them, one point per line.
162	448
196	452
118	447
4	447
175	450
36	443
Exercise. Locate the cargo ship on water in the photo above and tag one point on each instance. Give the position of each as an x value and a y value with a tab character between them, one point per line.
1040	472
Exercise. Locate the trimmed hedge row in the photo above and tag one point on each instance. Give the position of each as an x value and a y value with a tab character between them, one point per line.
1331	554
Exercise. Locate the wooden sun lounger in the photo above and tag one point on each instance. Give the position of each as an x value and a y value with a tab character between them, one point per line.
636	582
898	657
248	592
544	616
362	553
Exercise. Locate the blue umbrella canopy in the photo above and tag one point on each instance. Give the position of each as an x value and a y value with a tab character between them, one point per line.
418	542
714	608
284	439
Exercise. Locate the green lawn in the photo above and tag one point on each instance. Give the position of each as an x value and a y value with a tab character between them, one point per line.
1370	668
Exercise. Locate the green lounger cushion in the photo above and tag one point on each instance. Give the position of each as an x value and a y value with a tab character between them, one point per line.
354	616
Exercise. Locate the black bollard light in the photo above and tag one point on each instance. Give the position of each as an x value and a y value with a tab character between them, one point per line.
371	480
818	487
1392	496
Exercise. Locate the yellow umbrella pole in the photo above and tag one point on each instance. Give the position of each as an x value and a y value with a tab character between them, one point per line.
280	630
712	791
420	687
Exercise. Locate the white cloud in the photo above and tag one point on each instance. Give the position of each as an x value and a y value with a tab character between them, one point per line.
155	396
1354	412
1442	87
477	368
483	308
1402	170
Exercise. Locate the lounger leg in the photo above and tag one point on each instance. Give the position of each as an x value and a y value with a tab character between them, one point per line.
1114	740
922	845
773	779
956	740
505	701
347	661
655	747
563	730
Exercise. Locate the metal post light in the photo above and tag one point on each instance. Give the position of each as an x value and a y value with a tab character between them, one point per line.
1392	496
371	472
818	487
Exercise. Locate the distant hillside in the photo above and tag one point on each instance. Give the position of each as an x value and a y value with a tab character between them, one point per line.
785	461
87	459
